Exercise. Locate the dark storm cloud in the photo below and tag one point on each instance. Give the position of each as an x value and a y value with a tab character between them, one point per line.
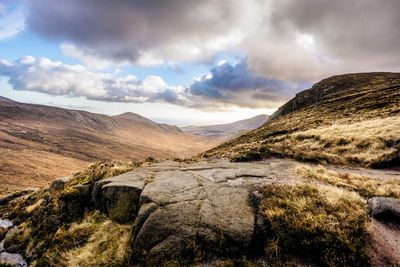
125	30
347	28
347	36
291	40
237	84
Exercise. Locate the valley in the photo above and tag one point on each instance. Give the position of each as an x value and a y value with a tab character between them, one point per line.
39	143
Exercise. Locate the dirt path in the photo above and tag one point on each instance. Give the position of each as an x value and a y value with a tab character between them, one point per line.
373	173
385	241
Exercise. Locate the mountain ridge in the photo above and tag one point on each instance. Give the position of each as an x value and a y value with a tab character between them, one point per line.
354	122
327	88
228	129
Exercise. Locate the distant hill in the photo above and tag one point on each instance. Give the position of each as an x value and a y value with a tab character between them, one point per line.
39	143
229	129
349	119
6	99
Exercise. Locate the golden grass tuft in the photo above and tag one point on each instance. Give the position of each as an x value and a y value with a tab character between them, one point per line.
94	241
365	186
32	207
322	224
108	246
103	170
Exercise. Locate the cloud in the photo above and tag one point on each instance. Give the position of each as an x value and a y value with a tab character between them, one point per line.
291	39
90	60
12	22
2	9
236	84
225	86
56	78
144	32
312	39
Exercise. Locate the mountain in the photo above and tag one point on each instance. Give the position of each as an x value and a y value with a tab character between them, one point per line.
38	143
227	130
219	213
351	119
4	99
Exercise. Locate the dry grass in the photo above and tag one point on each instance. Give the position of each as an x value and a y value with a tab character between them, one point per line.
103	170
365	186
369	142
32	207
109	245
95	241
319	224
358	126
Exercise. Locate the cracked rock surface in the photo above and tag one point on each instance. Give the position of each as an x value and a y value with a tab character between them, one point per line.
185	210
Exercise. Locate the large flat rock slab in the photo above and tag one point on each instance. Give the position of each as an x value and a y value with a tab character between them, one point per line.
190	210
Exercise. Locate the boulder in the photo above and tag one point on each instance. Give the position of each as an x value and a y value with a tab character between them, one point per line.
200	211
12	259
11	240
59	184
186	211
10	197
118	197
385	208
6	224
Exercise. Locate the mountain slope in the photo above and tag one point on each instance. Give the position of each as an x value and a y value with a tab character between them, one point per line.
39	143
227	130
6	99
346	119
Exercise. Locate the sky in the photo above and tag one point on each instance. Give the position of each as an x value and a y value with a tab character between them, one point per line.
188	62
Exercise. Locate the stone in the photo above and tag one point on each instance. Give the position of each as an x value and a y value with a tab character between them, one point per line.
12	259
184	211
118	197
10	197
11	240
385	208
59	184
6	224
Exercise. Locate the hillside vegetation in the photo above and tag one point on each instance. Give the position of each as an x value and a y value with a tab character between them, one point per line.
351	119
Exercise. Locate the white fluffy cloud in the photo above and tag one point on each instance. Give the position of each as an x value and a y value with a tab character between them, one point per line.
225	86
56	78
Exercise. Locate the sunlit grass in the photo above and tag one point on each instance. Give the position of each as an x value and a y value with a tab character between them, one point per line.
365	186
321	224
359	126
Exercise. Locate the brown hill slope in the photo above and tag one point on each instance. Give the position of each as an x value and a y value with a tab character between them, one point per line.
227	130
346	119
39	143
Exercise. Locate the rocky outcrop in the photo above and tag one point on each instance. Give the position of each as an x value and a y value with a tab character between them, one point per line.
59	184
331	87
119	197
385	208
10	197
7	246
199	210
